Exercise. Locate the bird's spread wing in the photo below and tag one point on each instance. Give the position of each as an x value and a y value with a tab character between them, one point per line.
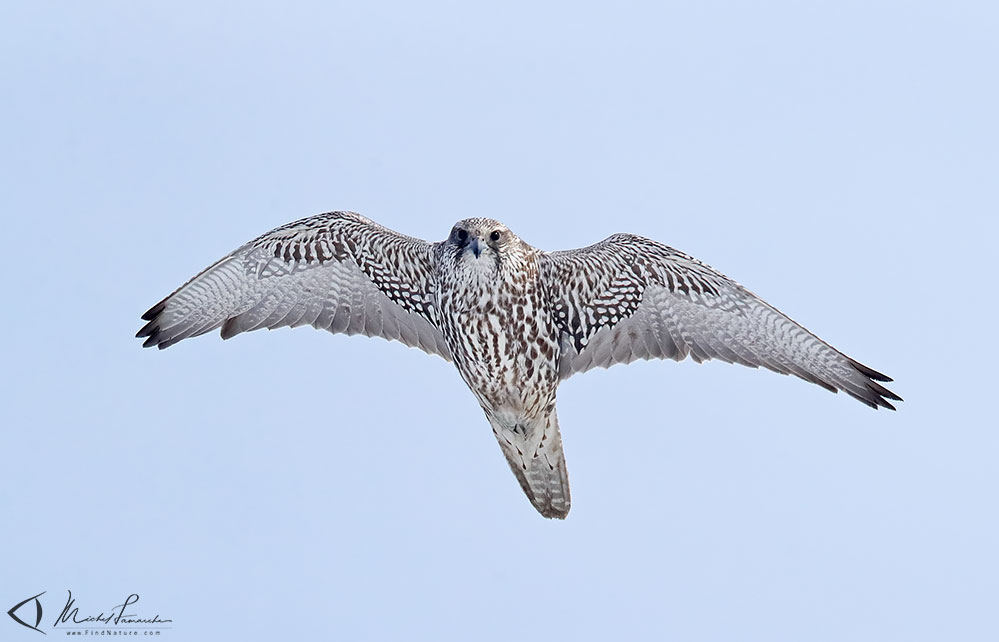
629	298
337	271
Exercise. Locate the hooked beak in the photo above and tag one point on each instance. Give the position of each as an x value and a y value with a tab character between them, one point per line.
476	248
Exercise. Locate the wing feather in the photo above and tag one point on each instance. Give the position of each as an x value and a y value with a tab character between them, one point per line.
629	298
336	271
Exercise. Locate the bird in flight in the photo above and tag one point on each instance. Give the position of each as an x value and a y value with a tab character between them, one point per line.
516	321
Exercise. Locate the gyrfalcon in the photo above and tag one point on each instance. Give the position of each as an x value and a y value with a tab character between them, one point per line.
515	320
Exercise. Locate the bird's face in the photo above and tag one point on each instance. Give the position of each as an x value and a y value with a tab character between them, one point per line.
480	244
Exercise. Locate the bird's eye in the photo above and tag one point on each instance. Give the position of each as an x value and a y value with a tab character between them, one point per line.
462	235
494	236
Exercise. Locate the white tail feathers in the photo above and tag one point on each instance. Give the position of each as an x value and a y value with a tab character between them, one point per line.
534	452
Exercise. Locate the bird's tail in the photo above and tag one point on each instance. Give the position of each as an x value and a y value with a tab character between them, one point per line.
534	452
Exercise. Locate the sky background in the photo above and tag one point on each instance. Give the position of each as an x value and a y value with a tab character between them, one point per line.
838	158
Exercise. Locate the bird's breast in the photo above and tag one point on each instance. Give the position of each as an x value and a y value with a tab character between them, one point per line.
504	346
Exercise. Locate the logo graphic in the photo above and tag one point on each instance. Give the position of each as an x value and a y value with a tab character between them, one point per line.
38	612
107	621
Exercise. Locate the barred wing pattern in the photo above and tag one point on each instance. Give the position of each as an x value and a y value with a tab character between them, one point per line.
629	298
337	271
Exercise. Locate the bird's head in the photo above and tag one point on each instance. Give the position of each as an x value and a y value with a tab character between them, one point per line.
481	243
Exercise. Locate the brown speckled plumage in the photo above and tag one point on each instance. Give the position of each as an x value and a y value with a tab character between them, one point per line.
514	320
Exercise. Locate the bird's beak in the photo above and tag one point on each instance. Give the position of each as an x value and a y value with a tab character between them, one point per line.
476	248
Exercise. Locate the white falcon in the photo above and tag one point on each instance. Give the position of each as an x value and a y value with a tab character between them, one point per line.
515	320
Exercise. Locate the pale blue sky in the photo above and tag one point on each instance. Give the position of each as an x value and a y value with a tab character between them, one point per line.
840	159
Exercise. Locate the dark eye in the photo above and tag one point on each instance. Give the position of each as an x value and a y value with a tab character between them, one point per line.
494	236
462	235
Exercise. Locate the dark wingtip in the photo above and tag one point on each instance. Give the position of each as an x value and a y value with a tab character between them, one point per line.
888	394
146	330
152	340
154	311
884	404
151	332
870	373
879	395
155	337
229	328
